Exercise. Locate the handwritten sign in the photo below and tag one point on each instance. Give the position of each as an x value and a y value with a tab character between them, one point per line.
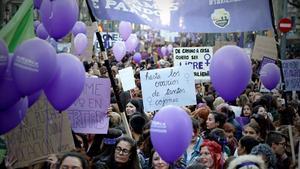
264	46
169	86
198	57
88	112
291	73
127	78
43	131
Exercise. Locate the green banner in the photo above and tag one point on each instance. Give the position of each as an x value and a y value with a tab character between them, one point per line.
20	27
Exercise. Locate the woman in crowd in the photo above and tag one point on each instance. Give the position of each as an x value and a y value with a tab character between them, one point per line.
72	160
265	124
246	144
215	120
246	110
133	106
123	156
156	162
252	129
210	155
261	110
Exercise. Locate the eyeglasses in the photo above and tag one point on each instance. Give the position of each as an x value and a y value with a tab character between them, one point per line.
124	151
282	143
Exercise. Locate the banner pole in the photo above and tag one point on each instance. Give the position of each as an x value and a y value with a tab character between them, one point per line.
280	54
106	62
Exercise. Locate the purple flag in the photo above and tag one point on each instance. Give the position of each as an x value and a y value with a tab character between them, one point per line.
188	15
88	113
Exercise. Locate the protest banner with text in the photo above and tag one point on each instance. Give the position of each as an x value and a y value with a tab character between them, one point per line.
43	131
88	114
198	57
291	73
169	86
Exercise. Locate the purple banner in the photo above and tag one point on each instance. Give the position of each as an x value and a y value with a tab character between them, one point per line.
88	112
205	16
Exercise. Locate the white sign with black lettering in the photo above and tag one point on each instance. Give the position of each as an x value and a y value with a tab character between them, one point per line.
169	86
197	57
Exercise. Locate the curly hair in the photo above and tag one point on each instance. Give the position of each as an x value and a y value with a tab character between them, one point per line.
215	151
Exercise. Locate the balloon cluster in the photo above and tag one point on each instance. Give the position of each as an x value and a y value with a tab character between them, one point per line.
129	43
166	50
35	67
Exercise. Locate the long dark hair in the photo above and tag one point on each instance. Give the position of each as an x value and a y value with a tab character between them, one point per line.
133	162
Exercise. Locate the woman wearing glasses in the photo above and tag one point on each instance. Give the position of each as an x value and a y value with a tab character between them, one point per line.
123	156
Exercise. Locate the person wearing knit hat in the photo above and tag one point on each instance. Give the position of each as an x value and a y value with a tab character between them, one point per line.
265	151
247	162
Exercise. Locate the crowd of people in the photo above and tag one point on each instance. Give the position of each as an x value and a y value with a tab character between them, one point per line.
255	137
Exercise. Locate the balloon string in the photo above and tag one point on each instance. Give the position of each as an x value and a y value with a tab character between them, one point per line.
47	129
61	130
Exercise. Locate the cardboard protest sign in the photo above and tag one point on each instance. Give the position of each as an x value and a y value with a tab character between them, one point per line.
219	44
43	131
88	113
264	46
291	74
127	78
169	86
198	57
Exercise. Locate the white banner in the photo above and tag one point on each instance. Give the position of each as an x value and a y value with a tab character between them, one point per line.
169	86
198	57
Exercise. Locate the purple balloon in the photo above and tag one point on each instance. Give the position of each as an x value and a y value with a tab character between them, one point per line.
125	30
34	97
80	43
170	48
170	140
230	71
137	57
33	65
68	83
79	27
13	116
119	50
3	56
270	75
163	51
131	43
9	93
41	32
59	16
37	4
